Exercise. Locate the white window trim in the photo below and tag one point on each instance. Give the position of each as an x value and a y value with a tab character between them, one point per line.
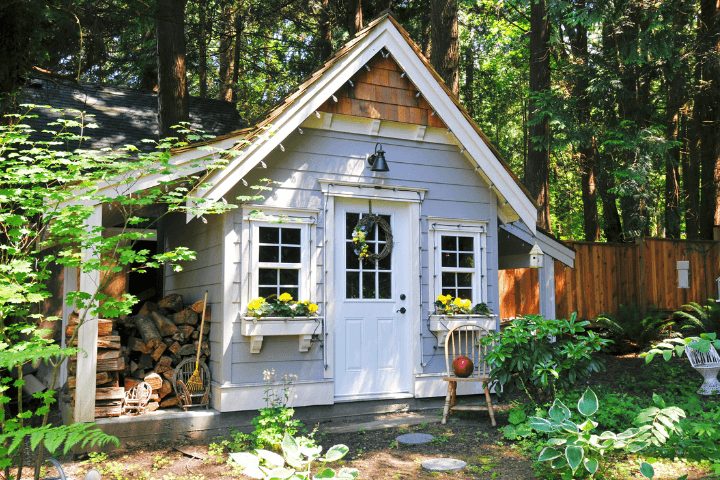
304	219
478	229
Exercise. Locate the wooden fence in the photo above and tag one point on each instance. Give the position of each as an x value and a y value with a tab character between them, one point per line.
608	275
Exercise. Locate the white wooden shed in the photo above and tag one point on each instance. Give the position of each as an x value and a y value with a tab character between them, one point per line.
446	196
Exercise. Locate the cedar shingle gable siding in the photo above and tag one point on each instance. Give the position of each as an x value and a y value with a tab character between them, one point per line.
384	94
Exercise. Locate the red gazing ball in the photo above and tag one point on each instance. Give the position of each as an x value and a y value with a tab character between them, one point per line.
463	367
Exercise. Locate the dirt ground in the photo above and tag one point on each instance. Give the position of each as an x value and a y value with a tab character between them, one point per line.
375	453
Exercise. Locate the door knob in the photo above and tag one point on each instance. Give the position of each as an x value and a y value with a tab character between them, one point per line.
402	310
402	296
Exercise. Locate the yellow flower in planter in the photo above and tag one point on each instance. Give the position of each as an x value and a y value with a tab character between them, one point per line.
256	303
285	297
312	308
444	299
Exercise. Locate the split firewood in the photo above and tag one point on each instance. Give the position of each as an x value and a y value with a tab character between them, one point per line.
154	380
110	365
140	372
105	327
186	317
168	341
145	361
108	341
168	374
174	348
186	350
149	332
179	337
197	307
158	352
137	345
111	411
165	326
103	354
187	330
152	406
73	318
131	383
133	367
160	369
169	402
164	361
154	397
100	378
165	390
148	308
112	393
172	302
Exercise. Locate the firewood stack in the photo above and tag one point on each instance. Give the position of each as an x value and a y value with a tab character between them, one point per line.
146	347
110	362
156	340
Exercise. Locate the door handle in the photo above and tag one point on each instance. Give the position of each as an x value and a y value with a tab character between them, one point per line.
402	310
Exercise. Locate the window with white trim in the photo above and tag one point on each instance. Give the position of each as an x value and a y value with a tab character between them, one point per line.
280	256
459	266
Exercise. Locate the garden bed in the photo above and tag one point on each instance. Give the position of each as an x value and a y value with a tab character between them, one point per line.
468	437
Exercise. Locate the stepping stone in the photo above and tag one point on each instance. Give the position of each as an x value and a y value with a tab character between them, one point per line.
443	464
414	438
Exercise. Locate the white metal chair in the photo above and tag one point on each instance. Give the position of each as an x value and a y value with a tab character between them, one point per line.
708	365
462	341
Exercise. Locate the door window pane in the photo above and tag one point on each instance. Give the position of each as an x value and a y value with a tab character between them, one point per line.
363	279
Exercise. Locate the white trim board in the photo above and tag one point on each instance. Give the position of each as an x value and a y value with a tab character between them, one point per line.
232	398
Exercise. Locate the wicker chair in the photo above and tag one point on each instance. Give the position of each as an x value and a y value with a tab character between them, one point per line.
462	341
708	365
183	372
137	399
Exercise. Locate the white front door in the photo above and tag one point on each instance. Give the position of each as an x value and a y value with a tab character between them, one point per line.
372	336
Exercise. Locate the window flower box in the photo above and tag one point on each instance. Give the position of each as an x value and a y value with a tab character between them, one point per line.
259	328
441	324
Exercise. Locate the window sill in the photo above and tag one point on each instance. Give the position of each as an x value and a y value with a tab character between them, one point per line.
440	325
258	328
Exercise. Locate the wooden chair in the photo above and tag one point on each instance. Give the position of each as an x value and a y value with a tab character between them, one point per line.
708	365
137	399
462	341
183	372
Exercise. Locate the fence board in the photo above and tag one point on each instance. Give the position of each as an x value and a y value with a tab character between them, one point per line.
609	275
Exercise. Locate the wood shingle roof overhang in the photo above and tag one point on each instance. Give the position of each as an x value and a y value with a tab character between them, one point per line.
383	33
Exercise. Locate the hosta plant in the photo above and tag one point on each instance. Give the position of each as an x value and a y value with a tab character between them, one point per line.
299	458
575	449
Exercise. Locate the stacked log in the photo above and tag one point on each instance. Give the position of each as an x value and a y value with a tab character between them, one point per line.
110	362
156	340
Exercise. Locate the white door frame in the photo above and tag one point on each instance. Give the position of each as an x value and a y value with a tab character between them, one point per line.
412	197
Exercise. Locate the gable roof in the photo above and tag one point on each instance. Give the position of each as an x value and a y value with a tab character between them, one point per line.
124	116
382	34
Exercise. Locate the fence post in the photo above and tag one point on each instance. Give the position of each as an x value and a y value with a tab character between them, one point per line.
640	242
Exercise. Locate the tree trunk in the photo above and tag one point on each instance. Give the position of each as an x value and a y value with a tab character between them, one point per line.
173	102
225	54
355	17
325	30
691	168
538	162
469	80
612	226
236	57
444	55
708	99
425	27
202	47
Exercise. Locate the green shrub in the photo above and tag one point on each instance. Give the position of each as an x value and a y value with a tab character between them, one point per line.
701	319
542	356
630	330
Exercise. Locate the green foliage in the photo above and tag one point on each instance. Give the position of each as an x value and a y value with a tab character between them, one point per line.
676	346
574	445
299	459
47	197
630	328
701	319
540	356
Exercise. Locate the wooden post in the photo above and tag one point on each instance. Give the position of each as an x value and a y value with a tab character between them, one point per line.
640	242
87	339
546	279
